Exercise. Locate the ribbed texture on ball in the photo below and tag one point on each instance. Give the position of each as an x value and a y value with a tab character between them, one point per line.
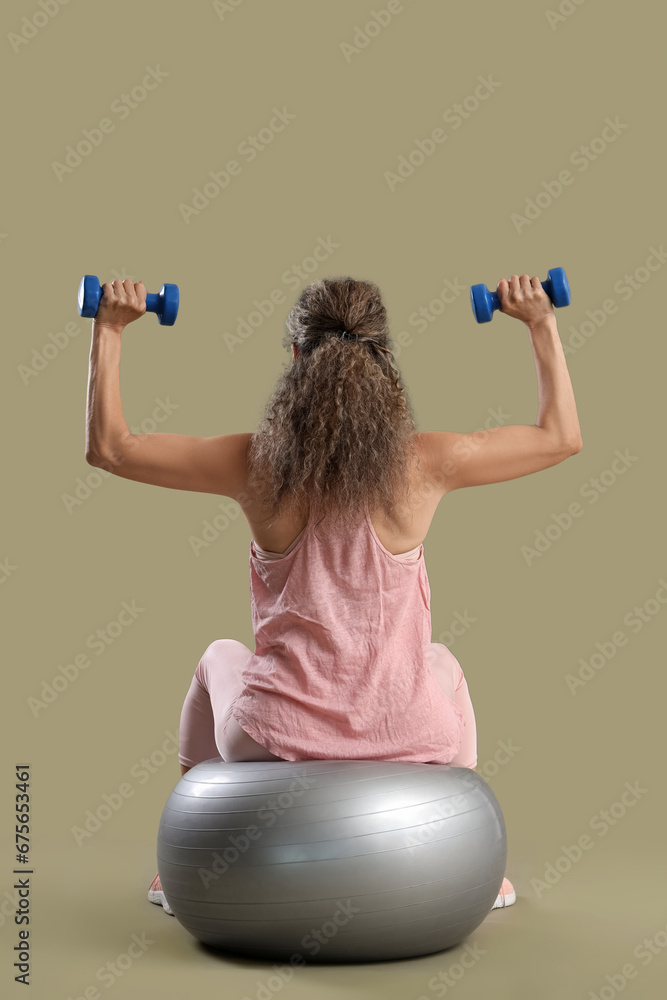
331	861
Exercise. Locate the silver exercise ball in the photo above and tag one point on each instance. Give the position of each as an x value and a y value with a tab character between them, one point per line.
331	860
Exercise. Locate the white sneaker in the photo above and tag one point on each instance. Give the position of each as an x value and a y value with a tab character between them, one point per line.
506	896
156	895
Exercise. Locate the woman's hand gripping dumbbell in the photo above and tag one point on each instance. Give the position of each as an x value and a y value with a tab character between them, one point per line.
515	297
124	301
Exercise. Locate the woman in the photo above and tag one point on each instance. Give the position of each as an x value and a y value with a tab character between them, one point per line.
339	491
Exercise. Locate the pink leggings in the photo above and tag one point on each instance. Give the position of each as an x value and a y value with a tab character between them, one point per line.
208	729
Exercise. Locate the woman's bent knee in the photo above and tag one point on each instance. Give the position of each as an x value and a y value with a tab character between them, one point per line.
223	657
225	647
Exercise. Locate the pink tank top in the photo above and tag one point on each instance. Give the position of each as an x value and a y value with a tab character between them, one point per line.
340	670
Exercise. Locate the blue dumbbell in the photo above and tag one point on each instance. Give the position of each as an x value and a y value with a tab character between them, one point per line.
484	302
164	303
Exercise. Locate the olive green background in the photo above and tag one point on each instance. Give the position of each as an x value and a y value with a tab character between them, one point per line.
116	214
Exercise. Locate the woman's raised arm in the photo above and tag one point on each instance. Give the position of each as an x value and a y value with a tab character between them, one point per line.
502	453
177	461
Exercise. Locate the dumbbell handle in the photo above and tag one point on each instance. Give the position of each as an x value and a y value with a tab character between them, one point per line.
152	302
546	285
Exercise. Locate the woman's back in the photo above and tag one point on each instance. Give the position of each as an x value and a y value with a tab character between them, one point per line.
342	639
407	530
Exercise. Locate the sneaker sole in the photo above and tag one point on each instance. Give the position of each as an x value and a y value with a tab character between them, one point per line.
161	900
504	901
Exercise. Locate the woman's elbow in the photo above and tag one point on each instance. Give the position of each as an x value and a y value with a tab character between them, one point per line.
98	461
564	448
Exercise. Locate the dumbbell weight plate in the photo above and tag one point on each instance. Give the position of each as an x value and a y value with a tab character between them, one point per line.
90	294
481	303
560	287
169	300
